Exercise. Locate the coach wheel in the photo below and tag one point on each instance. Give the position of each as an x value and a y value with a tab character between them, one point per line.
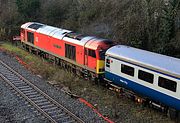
172	113
178	117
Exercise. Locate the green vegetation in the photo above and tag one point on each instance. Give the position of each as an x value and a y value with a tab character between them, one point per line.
147	24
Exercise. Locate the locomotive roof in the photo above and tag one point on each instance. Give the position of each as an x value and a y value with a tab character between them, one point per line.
64	34
165	64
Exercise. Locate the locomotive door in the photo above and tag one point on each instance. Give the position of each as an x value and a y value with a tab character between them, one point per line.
86	57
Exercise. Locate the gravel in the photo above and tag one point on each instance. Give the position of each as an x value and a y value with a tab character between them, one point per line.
14	110
17	111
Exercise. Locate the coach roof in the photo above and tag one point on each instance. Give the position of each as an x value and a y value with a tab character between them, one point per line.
165	64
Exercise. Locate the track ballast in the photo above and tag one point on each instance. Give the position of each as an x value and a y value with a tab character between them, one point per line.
44	104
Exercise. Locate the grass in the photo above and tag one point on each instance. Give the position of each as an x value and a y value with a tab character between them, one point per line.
111	104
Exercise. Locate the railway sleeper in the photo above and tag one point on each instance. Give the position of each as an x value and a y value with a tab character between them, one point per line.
37	98
24	87
59	115
35	95
47	106
18	83
43	103
71	121
52	111
27	93
63	119
42	100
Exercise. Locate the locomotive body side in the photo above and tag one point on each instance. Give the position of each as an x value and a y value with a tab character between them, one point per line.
79	50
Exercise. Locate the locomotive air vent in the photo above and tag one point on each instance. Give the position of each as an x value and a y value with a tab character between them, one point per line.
74	35
35	26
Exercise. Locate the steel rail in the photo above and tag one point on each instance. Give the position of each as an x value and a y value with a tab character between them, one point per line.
30	92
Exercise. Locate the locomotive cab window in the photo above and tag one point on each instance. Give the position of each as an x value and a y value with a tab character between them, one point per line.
92	53
145	76
102	54
167	84
127	70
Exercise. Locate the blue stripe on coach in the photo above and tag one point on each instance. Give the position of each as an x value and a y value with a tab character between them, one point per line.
147	92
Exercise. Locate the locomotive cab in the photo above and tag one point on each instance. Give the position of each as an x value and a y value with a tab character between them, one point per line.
99	47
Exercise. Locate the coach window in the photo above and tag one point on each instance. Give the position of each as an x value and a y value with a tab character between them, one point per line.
92	53
127	70
145	76
167	84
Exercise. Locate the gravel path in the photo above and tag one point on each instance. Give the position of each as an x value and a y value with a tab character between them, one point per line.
17	111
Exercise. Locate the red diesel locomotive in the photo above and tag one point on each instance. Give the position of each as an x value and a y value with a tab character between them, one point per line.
83	54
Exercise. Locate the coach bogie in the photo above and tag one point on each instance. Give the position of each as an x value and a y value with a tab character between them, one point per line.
178	116
172	113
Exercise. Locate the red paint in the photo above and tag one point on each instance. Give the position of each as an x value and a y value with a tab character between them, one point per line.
21	61
95	110
50	44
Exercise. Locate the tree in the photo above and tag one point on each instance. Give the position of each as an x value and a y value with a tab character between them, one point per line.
28	9
167	33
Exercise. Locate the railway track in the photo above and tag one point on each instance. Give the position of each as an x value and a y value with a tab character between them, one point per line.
44	104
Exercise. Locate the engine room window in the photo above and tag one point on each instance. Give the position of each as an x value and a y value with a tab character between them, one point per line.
145	76
92	53
70	52
167	84
127	70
